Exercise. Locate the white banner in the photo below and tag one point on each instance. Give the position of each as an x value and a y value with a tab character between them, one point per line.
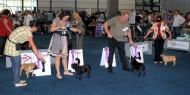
27	56
147	47
104	60
178	44
73	54
137	52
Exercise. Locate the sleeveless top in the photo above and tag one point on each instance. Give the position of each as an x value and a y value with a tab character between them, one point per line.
3	29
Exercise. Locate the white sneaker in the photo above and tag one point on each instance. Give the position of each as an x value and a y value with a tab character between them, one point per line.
20	84
160	61
155	61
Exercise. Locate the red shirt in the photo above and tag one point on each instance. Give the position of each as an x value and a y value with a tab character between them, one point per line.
3	29
159	33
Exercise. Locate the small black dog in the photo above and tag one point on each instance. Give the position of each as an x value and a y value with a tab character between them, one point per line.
137	66
81	69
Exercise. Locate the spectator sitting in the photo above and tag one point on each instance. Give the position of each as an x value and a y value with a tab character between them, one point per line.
187	21
92	25
86	23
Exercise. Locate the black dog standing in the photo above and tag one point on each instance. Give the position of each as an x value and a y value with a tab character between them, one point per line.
81	69
137	66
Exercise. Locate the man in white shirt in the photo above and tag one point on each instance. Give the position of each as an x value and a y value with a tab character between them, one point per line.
178	20
27	18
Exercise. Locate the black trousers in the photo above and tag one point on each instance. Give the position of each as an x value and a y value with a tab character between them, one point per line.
158	43
120	46
2	47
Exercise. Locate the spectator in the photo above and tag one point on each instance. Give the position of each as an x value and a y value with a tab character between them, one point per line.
27	18
5	28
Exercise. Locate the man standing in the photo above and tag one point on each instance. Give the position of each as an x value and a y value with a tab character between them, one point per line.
27	18
169	20
178	20
119	26
49	17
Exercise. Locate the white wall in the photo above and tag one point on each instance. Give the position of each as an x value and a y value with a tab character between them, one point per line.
182	5
82	5
44	5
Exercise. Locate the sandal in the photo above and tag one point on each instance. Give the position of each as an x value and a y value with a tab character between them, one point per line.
68	73
59	76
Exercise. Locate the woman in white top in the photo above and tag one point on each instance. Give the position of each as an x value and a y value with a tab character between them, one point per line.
16	23
19	15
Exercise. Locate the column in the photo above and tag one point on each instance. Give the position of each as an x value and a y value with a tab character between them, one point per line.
75	5
112	8
37	5
97	5
23	6
51	5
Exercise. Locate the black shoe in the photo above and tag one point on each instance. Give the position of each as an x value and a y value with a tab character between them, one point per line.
110	72
127	69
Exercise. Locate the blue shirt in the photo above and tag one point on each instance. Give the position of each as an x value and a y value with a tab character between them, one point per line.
49	16
169	18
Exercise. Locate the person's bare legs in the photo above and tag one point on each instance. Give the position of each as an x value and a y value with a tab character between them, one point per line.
57	66
64	62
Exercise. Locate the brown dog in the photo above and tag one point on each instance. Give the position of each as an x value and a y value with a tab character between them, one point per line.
167	59
28	68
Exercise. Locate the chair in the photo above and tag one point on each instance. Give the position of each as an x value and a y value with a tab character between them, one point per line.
138	37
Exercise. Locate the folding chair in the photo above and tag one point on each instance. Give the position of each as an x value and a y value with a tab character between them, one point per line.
138	37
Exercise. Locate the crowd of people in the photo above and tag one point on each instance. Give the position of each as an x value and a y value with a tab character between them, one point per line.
174	20
19	28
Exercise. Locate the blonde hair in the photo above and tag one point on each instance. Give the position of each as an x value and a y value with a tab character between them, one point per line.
76	16
125	12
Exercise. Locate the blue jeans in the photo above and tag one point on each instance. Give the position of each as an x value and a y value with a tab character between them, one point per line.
176	32
16	63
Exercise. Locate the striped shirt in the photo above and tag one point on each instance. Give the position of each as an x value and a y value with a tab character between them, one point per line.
19	35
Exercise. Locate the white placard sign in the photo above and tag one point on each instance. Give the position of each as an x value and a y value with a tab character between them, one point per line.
178	45
145	46
73	54
27	56
137	52
104	60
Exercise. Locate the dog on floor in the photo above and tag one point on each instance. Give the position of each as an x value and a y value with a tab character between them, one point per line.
137	66
28	68
81	69
168	58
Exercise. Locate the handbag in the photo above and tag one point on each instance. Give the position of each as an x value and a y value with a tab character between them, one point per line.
18	45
